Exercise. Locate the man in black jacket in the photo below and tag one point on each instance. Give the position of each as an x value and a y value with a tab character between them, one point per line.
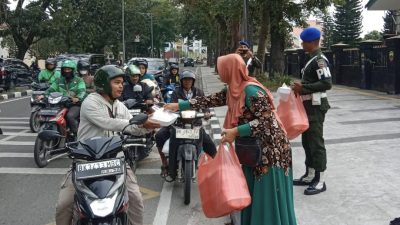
134	89
186	91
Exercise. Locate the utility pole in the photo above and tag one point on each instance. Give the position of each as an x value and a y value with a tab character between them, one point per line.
123	32
245	19
152	40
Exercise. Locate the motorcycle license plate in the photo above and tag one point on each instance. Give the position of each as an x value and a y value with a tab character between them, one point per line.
134	111
101	168
188	134
48	112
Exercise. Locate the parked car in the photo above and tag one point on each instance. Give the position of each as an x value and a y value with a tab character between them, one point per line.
95	60
14	72
188	62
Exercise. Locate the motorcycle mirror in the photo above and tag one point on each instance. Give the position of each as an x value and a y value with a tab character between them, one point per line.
139	119
48	135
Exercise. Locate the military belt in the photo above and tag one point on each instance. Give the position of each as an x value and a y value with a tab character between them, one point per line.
309	97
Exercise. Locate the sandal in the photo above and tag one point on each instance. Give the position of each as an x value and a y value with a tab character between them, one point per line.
164	171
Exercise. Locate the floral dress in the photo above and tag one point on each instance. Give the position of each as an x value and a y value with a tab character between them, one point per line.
270	184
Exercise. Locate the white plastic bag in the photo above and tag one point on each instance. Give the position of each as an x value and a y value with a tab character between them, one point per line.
165	148
163	117
284	92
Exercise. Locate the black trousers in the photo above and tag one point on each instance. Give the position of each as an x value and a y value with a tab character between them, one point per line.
72	118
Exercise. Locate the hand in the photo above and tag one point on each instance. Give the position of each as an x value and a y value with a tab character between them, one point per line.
248	54
40	97
75	100
151	125
173	107
229	135
297	87
149	102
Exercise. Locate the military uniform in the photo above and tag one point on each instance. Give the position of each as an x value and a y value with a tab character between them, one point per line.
316	80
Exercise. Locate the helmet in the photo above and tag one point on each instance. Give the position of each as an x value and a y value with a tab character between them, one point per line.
51	61
132	70
139	62
188	74
173	66
103	77
68	64
83	67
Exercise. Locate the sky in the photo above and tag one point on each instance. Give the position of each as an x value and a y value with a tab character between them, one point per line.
372	20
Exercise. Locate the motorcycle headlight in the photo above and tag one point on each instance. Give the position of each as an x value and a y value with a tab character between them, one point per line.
55	100
103	207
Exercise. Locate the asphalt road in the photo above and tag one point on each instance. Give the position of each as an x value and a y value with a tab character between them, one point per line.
28	194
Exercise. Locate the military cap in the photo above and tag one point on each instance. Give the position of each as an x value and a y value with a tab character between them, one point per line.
310	34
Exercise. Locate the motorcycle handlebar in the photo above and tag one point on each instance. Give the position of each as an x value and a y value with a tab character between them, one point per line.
135	140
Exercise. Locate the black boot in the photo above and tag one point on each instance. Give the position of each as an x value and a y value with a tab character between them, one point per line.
306	178
317	185
1	132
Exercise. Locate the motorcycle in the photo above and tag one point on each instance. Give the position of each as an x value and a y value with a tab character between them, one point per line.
101	195
52	117
169	89
139	153
186	138
37	90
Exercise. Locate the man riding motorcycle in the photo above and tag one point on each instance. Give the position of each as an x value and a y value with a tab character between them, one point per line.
143	65
49	75
132	79
72	86
186	91
173	76
103	115
84	73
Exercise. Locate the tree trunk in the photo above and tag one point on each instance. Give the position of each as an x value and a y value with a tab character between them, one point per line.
235	35
263	35
277	39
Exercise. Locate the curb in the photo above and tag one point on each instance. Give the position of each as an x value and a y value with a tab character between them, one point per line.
17	94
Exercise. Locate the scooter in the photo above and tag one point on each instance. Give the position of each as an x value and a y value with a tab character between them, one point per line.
37	90
101	195
52	117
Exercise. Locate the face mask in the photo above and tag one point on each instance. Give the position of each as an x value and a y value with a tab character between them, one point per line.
68	75
83	72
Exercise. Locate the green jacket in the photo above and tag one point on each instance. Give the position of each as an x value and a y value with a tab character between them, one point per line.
74	88
49	76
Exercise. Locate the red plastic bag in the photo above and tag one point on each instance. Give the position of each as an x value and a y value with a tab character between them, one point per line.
293	116
222	185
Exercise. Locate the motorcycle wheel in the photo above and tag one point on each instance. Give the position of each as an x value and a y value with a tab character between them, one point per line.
188	181
40	153
34	122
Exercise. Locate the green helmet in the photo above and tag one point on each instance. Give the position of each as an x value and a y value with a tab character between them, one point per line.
132	70
103	77
68	64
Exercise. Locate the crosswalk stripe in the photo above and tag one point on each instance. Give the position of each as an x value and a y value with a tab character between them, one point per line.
14	122
19	134
15	155
15	127
22	143
14	118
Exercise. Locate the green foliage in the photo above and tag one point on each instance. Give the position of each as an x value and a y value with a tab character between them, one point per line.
348	22
374	35
274	83
389	26
328	30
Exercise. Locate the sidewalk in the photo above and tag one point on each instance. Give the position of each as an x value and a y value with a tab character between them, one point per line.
362	135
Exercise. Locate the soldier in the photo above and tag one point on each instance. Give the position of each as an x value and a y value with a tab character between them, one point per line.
316	80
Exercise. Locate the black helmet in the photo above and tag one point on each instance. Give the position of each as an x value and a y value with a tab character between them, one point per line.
142	62
173	66
188	74
103	77
51	61
83	67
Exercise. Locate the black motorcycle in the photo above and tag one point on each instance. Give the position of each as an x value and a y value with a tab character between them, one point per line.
100	191
140	152
37	90
186	139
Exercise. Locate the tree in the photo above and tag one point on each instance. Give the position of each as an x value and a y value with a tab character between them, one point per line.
328	30
348	22
389	27
374	35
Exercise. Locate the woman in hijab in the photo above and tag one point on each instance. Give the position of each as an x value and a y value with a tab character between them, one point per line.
251	112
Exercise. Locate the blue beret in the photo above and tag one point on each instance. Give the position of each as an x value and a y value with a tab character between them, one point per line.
244	42
310	34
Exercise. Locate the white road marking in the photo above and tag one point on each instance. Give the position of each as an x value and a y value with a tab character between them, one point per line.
15	155
19	134
18	143
56	171
11	137
13	100
15	127
14	122
14	118
164	204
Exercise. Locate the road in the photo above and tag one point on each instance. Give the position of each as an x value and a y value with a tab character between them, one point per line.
28	195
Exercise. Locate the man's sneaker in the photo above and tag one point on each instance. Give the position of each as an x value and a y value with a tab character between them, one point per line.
306	178
317	185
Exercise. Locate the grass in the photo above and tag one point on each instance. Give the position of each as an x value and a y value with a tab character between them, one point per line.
274	83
